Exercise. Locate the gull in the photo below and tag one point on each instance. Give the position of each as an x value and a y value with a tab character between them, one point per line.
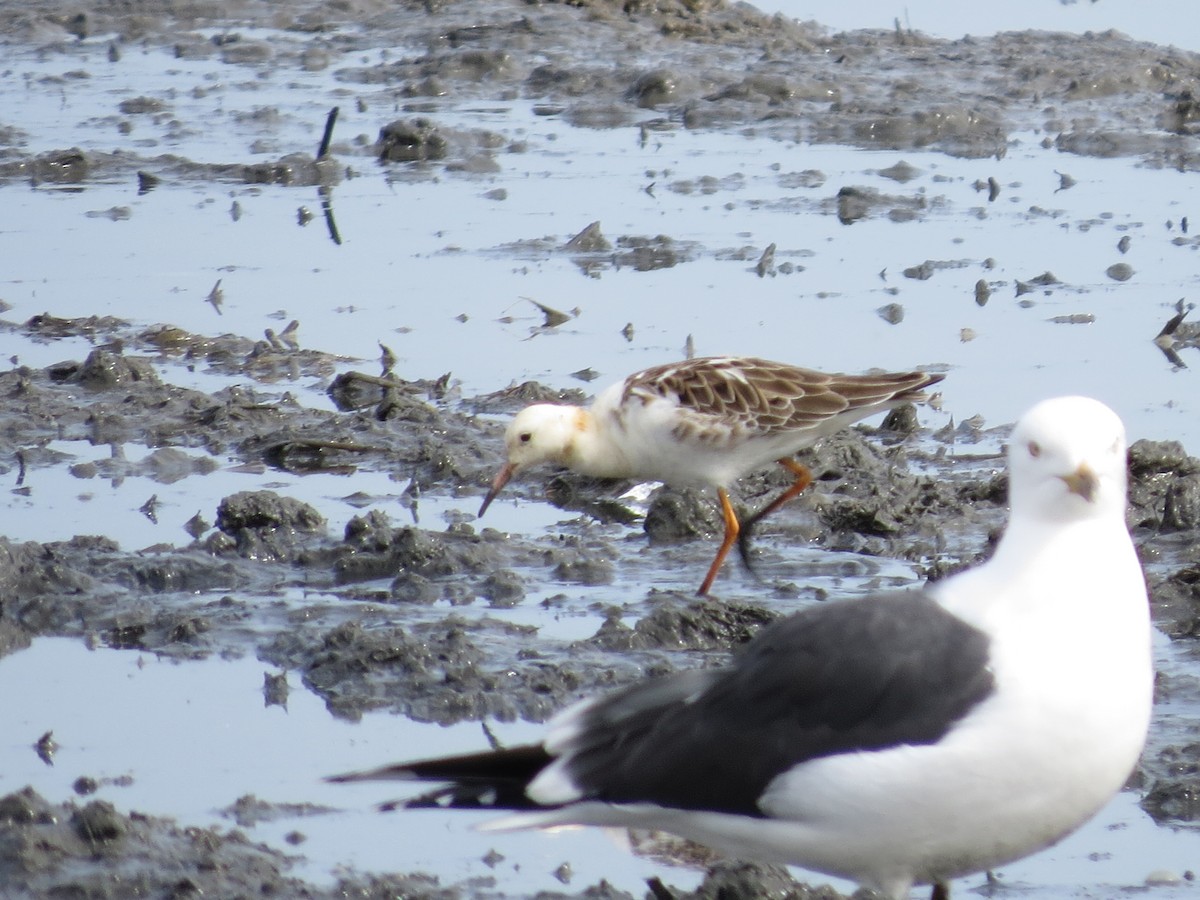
898	739
703	421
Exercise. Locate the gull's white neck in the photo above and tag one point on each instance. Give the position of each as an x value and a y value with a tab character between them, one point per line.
1047	571
1068	622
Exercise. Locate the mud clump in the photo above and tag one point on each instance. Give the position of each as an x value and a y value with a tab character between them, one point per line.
1176	799
414	556
733	880
436	672
681	514
98	823
1176	602
49	850
585	571
410	141
296	169
708	625
1164	488
103	370
65	850
266	511
504	588
264	526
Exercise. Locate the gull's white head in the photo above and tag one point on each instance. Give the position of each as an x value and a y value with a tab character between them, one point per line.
1067	461
544	432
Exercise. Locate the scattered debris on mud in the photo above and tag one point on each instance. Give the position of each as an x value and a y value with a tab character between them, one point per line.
384	616
379	638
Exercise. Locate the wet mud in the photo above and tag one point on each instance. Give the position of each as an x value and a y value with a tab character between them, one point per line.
88	849
700	64
375	639
400	616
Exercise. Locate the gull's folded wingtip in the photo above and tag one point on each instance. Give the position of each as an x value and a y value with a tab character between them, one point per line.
386	773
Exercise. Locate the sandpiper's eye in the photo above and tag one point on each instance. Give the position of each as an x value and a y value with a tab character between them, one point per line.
1035	449
525	437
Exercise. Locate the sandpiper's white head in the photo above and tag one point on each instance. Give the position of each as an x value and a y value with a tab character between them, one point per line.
544	432
540	433
1067	462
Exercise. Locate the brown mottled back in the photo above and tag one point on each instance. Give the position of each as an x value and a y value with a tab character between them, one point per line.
766	397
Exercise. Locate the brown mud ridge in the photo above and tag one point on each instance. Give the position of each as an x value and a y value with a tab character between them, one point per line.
697	64
379	637
374	639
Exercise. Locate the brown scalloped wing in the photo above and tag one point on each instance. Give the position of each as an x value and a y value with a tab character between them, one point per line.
757	395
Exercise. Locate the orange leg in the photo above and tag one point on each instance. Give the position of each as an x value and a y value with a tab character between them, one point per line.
731	533
803	480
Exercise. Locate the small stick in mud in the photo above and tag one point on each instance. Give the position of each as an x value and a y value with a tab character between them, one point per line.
327	137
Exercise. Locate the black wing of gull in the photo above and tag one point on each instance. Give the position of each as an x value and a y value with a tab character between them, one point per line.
857	675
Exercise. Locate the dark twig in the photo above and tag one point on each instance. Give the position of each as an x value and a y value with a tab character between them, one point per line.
327	211
323	150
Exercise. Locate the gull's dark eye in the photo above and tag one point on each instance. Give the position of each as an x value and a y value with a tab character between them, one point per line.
1035	449
525	437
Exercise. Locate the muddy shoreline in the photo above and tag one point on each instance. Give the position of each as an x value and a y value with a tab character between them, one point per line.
380	638
706	65
400	621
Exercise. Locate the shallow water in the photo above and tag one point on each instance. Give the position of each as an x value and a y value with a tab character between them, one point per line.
205	738
409	280
213	740
435	287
